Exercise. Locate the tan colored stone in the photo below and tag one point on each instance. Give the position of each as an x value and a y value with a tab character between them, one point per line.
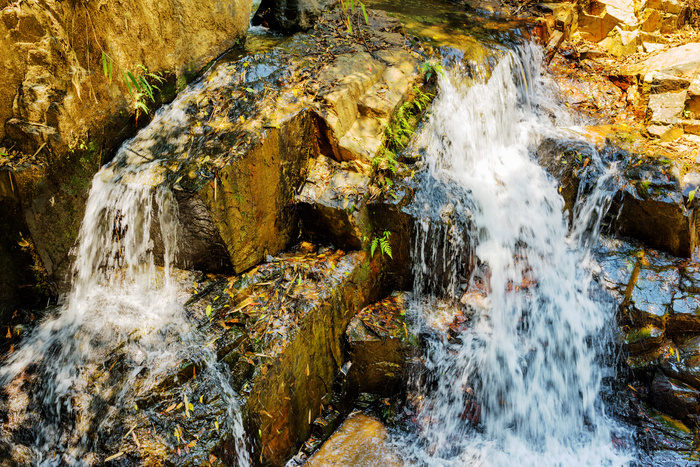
670	23
621	43
566	19
665	133
693	106
363	140
595	28
662	82
672	6
368	94
682	60
691	127
651	21
355	74
694	88
360	441
666	108
50	56
652	47
555	40
622	11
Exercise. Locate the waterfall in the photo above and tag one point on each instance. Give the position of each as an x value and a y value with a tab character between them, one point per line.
122	310
520	384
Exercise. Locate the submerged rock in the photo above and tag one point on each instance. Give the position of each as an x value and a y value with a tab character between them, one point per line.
360	440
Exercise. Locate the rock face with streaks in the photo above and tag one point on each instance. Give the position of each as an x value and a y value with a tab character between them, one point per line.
61	110
660	323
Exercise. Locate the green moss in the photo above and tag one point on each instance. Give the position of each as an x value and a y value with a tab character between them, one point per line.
670	423
639	335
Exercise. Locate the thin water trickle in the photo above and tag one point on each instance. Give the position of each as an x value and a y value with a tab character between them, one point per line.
122	310
520	385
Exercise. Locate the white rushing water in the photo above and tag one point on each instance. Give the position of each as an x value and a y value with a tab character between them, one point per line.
122	310
530	357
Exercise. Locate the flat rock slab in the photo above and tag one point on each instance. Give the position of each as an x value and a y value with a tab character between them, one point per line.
681	60
667	108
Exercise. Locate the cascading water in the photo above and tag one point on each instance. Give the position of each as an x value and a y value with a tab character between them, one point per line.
122	328
519	386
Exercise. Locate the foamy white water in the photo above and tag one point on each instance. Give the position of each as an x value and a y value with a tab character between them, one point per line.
530	357
120	304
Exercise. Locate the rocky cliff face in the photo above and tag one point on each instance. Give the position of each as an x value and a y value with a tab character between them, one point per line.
55	91
65	105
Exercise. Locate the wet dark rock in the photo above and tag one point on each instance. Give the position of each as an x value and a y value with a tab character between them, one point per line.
332	204
290	15
684	365
272	338
649	204
20	274
568	162
200	245
684	315
651	208
644	365
675	397
299	379
663	440
650	294
617	261
644	340
380	344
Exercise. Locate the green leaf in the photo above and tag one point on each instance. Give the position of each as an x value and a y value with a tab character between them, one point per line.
364	13
104	64
349	26
111	63
373	247
128	85
141	106
133	81
208	310
691	195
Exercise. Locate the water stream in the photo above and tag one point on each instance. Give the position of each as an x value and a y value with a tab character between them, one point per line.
122	329
520	385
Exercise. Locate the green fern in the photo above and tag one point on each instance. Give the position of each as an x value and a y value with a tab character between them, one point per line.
383	244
